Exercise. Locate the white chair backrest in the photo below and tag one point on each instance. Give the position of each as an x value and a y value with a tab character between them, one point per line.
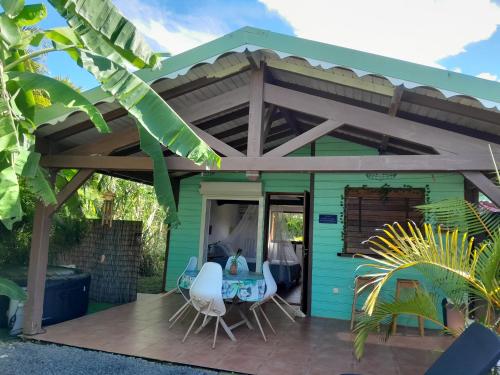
271	287
242	264
191	266
207	289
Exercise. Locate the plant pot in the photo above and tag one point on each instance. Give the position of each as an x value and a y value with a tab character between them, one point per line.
233	270
455	318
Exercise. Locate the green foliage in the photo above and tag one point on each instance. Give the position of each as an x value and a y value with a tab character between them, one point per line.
101	41
11	290
453	264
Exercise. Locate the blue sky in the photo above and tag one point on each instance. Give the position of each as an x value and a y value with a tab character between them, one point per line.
459	35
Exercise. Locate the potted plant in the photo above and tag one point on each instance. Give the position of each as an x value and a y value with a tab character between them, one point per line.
233	270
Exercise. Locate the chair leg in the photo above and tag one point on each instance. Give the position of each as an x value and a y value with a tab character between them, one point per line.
203	325
227	329
296	312
179	311
191	326
283	309
260	326
186	309
172	291
216	329
266	318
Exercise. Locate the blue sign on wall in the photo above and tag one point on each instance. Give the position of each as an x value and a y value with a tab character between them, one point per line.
328	219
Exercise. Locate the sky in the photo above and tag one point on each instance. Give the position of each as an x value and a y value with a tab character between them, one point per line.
458	35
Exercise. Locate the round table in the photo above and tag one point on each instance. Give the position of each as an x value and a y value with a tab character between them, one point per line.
247	286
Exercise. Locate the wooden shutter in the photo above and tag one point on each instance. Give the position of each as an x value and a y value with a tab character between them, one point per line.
367	209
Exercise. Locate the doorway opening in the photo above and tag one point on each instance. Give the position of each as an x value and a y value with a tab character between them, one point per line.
232	225
286	239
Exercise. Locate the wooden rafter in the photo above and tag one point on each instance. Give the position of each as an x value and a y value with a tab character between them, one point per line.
485	185
304	139
441	140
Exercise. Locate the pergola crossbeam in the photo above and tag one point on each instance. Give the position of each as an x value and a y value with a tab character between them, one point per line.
380	163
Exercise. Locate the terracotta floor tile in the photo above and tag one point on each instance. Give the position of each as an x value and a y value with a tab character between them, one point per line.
310	346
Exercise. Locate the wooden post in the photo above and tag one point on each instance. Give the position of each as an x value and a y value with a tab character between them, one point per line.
39	253
37	270
255	143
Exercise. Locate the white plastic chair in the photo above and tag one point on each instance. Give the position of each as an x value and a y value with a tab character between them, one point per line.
191	266
206	298
270	295
242	264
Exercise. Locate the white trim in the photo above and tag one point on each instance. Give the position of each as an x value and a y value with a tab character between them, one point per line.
246	191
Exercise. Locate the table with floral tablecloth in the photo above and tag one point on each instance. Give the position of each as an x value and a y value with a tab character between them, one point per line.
247	286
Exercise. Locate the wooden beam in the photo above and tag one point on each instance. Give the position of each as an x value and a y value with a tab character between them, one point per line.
485	185
392	111
290	120
268	121
110	142
217	104
37	270
216	143
443	141
382	163
255	144
71	187
304	139
85	125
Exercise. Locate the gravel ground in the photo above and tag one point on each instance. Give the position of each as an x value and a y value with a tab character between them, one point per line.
22	358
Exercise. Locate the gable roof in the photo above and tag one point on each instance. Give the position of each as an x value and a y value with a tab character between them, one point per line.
317	54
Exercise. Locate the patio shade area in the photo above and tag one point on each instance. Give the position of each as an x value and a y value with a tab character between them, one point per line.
310	346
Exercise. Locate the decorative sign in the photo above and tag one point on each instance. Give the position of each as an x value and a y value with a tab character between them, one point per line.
381	176
327	219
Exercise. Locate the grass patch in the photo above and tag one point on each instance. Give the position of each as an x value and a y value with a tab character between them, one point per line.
150	284
98	306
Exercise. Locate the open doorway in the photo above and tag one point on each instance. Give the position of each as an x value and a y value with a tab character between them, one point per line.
232	225
286	241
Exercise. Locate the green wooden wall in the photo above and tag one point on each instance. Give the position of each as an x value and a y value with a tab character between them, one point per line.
332	271
329	270
184	241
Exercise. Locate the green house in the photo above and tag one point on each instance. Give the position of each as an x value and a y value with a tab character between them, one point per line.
319	142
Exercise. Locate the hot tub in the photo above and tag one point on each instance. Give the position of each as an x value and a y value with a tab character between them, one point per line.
66	296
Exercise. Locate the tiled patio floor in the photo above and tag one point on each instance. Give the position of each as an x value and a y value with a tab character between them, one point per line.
311	346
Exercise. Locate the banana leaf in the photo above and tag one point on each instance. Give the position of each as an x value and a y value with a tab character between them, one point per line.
161	179
12	290
101	25
59	92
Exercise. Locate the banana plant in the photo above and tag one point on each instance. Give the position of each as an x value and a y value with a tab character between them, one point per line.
99	39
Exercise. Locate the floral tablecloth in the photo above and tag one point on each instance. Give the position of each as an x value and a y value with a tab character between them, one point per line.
247	286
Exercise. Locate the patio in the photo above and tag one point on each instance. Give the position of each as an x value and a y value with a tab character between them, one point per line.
312	346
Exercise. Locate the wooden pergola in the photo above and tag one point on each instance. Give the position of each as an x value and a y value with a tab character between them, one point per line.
254	107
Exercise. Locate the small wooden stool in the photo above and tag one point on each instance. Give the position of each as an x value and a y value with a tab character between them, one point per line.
359	282
409	284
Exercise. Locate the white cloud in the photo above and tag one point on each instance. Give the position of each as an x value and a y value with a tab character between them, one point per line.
486	75
457	69
172	38
167	31
423	31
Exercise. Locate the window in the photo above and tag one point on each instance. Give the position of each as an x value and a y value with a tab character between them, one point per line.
367	209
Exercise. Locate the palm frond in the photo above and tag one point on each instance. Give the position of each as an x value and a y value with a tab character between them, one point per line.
420	304
449	256
456	213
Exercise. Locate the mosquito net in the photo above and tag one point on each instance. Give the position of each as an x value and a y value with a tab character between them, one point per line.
280	247
244	235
